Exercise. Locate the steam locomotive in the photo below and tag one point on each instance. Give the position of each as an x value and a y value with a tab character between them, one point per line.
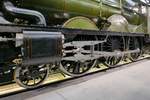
72	35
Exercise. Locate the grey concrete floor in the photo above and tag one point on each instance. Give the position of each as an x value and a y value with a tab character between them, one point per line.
131	83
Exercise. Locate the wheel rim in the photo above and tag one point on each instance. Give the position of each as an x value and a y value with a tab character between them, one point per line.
133	44
113	44
78	68
31	76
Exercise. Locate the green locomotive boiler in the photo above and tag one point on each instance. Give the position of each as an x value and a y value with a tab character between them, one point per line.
120	16
58	12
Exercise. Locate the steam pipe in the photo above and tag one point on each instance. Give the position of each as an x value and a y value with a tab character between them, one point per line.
11	8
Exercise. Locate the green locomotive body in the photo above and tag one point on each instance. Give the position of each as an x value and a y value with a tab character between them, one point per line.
57	12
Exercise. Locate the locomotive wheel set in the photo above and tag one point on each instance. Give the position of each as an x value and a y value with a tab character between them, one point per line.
72	35
80	55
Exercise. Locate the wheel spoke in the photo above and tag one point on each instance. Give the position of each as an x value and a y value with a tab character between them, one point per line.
27	82
76	69
34	80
